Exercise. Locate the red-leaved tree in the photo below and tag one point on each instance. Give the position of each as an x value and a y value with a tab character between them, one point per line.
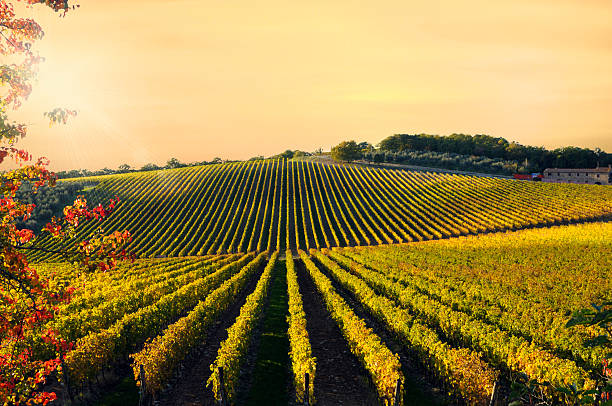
27	300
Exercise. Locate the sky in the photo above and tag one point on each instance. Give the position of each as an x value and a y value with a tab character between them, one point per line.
198	79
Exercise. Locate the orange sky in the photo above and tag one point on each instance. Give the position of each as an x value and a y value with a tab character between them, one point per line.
196	79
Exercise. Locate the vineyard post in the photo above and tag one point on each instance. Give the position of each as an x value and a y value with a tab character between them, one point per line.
143	388
222	396
66	383
396	397
493	394
306	388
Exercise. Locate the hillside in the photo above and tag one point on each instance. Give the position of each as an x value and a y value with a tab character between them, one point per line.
254	206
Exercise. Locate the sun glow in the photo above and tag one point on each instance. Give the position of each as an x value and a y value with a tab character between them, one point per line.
59	85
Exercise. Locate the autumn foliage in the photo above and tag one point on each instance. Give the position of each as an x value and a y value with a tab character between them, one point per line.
27	300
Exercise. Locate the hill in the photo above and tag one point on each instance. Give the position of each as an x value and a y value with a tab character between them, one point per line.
278	204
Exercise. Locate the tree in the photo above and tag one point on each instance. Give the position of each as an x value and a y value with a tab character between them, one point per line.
124	168
174	163
27	299
346	151
365	147
288	154
149	167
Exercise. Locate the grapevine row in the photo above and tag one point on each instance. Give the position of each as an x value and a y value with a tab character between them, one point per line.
500	347
116	342
233	350
302	361
160	357
460	369
279	204
383	365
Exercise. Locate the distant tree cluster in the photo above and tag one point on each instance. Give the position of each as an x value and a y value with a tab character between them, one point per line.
125	168
447	160
350	151
529	157
289	154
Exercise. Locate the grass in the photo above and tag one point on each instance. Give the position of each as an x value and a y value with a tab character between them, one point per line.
271	367
415	394
125	393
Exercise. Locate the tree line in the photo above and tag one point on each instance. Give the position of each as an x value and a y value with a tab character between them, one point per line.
447	160
172	163
175	163
530	157
501	155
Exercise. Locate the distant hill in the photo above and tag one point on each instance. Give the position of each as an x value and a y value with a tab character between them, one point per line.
274	204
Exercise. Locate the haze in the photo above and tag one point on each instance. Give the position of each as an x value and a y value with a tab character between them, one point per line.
199	79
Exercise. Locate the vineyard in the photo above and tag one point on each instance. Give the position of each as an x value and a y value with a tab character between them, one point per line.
283	204
413	271
374	302
464	315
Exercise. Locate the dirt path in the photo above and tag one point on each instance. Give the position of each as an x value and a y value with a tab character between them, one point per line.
340	378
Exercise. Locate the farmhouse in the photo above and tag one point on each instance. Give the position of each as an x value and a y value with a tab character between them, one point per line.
596	176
